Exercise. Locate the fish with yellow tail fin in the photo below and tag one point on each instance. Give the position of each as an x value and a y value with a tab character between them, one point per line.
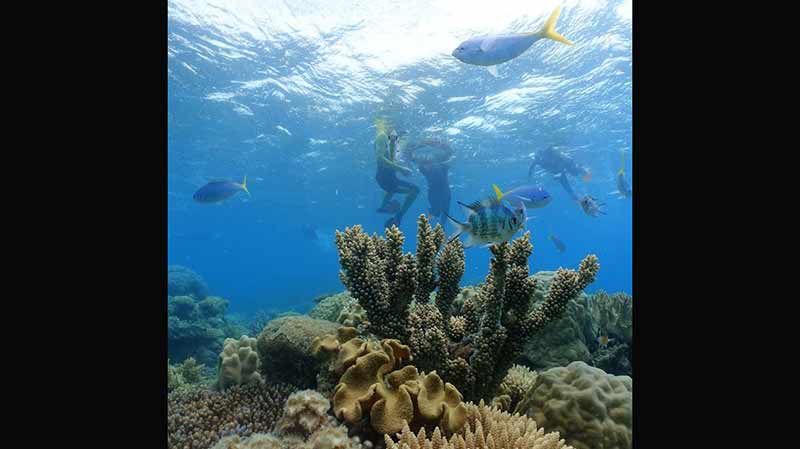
489	221
533	197
623	188
220	190
496	49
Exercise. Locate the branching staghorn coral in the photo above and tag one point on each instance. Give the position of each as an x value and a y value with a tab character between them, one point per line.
385	281
493	325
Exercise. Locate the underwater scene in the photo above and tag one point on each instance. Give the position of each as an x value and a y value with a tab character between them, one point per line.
399	225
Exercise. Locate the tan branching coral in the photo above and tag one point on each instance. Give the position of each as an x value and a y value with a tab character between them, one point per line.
328	437
385	281
306	412
517	382
471	340
590	408
493	429
238	362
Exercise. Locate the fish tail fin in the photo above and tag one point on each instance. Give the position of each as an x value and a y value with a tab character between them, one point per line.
549	29
244	185
622	167
460	228
498	192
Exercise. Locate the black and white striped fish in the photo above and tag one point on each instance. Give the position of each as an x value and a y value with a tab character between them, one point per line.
489	221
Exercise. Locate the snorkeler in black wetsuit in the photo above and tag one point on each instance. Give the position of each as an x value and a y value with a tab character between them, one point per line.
560	165
386	175
434	166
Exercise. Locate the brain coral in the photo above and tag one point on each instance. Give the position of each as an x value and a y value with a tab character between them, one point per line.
588	407
284	348
182	281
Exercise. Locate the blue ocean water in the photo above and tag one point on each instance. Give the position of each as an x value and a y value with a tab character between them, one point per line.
286	93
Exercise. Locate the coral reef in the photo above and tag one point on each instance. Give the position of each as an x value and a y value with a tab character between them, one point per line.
197	419
588	407
517	382
353	315
197	328
493	429
384	281
493	324
284	348
574	336
305	424
182	281
376	384
238	362
187	374
324	438
305	412
330	306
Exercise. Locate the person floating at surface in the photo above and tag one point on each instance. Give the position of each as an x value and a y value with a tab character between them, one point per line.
560	165
434	165
386	175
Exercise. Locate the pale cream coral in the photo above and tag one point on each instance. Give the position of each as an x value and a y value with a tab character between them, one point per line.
493	429
519	379
238	362
305	412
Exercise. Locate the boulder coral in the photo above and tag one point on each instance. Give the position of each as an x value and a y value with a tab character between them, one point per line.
485	428
182	281
238	362
588	407
197	328
284	348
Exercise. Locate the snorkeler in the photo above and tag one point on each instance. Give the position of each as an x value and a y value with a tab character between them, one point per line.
434	166
560	165
386	175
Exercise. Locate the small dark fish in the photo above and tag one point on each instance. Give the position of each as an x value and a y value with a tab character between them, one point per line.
560	246
217	191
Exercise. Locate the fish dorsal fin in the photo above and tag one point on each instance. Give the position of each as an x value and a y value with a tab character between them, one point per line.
488	43
473	207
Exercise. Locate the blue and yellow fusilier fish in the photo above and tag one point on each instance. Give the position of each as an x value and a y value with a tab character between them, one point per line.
533	197
218	191
489	221
496	49
623	188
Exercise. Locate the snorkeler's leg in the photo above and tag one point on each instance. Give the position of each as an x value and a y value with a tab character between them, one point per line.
567	187
411	192
387	198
